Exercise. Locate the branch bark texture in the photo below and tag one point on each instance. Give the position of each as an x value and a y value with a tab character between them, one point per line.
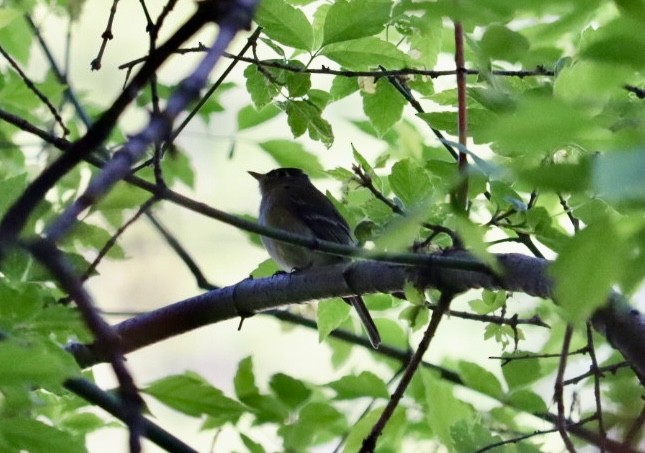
623	326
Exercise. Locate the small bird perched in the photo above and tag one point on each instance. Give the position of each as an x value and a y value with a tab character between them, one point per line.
290	202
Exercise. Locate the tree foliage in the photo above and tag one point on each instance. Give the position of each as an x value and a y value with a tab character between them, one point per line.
498	127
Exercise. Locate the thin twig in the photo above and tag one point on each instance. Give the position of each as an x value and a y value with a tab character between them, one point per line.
105	36
35	90
202	281
518	439
159	126
369	443
558	396
460	195
603	369
112	404
596	387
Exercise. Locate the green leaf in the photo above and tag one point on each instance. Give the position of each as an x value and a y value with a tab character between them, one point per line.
16	37
413	294
285	24
443	410
291	154
365	52
410	182
426	38
521	372
390	441
416	316
331	314
266	268
8	15
384	106
354	19
177	167
473	237
193	395
290	391
618	176
37	364
480	379
584	271
558	178
10	189
491	301
298	83
317	423
244	380
342	87
365	384
502	43
261	89
24	434
528	401
539	125
252	446
619	43
304	116
471	435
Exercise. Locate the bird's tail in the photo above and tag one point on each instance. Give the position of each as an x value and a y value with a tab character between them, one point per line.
366	319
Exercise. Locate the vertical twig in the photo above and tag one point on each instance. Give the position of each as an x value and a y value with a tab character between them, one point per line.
106	36
461	193
369	443
597	374
562	419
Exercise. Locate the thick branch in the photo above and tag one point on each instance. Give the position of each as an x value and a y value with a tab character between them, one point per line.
623	326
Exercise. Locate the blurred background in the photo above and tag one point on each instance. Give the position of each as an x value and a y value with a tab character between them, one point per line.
152	276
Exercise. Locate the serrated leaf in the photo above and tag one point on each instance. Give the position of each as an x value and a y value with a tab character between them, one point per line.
285	24
261	89
304	116
366	52
354	19
384	107
331	314
410	182
366	384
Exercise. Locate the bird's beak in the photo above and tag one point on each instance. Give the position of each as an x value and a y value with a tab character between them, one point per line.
257	176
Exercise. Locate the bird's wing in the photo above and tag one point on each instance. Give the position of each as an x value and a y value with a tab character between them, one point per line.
321	216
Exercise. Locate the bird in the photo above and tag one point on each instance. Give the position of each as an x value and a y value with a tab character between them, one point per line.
290	202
